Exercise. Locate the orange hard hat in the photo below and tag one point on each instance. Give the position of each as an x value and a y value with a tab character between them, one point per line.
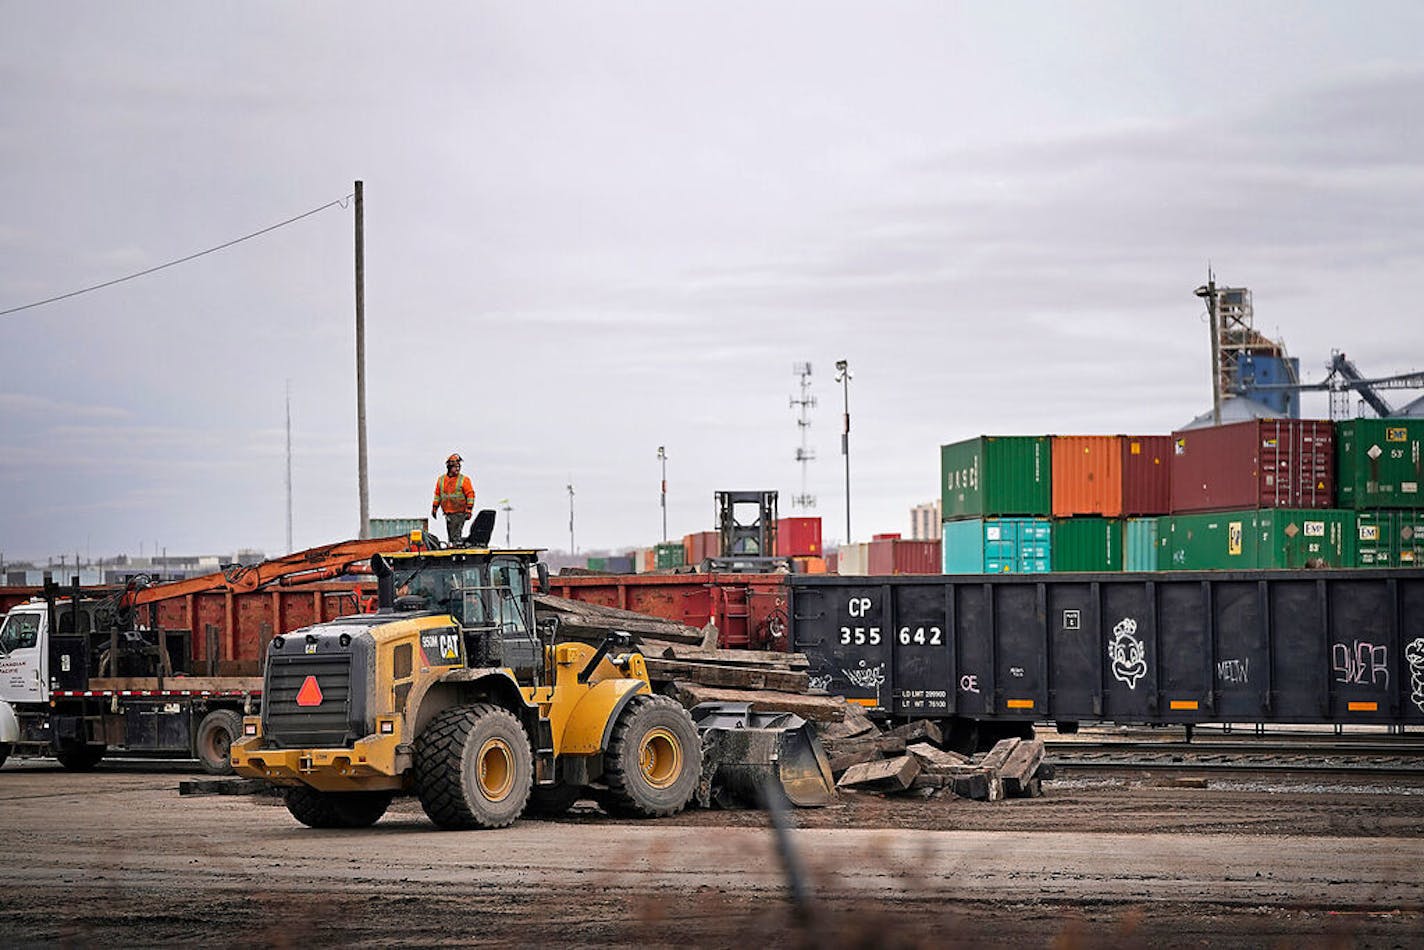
454	458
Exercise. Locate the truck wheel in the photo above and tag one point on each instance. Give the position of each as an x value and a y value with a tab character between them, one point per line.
551	801
653	761
473	767
336	809
216	734
79	758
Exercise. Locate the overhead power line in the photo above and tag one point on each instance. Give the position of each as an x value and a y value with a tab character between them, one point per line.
182	260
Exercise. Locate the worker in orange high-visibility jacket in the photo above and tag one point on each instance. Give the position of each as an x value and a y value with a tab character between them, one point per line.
454	495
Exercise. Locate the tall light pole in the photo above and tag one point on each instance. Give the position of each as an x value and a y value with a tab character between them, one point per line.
570	487
843	377
662	457
505	507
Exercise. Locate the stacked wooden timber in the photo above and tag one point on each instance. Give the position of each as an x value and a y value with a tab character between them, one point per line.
909	759
685	663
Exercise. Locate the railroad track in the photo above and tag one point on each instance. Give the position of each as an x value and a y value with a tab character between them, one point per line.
1312	754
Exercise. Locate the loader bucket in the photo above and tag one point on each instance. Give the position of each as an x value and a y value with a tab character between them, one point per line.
744	752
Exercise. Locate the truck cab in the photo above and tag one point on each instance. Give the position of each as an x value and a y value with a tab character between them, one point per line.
43	648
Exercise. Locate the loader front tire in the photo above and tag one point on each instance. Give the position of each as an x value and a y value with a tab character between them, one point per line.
336	809
473	768
653	760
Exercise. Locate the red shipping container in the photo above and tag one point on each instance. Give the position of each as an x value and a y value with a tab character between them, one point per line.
894	536
833	562
1264	463
700	546
798	537
1146	475
894	556
1087	475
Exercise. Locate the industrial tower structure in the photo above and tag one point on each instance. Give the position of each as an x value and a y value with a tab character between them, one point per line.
804	453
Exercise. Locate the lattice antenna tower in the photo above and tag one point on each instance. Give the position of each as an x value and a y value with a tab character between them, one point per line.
803	404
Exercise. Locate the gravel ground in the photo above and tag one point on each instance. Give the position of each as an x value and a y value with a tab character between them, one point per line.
118	858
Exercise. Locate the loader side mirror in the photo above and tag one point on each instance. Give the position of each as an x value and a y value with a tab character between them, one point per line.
542	570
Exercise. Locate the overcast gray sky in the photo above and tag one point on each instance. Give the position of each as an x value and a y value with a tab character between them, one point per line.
595	228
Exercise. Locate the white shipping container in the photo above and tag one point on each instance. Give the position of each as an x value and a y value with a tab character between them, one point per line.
854	559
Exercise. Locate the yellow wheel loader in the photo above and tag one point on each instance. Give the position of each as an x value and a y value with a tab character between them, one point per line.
450	692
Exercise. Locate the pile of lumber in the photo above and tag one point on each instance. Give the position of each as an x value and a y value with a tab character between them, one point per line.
909	759
685	663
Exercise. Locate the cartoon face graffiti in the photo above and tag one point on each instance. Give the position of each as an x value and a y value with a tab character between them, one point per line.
1414	654
1128	654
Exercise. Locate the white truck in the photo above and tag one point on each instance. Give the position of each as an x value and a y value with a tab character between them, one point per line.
76	681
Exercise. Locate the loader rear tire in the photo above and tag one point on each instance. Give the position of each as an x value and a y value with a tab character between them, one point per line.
551	801
473	768
336	809
77	757
213	743
653	760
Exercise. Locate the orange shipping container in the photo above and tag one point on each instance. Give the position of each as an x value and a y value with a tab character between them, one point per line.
1087	475
809	565
699	546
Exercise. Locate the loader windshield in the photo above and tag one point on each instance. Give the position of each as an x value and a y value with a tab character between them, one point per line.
483	594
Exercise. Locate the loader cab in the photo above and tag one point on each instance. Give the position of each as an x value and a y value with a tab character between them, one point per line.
488	592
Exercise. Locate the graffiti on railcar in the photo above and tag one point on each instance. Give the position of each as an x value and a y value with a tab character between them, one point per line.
1128	653
1234	672
1414	653
1361	663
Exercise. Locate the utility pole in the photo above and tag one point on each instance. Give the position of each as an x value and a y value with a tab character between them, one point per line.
662	457
361	366
570	487
843	377
504	507
289	466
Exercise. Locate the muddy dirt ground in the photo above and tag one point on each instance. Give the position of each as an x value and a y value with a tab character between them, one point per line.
118	858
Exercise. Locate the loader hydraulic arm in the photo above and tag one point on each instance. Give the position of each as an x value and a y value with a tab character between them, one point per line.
313	564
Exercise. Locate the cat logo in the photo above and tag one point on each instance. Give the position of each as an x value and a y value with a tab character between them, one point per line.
1180	447
445	646
311	648
1233	539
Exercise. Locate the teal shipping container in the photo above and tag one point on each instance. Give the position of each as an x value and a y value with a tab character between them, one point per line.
1087	544
997	546
1139	544
996	476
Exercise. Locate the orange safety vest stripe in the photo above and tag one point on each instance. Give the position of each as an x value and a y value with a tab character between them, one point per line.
453	495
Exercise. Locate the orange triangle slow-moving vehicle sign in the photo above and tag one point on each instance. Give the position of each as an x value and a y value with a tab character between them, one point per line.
310	693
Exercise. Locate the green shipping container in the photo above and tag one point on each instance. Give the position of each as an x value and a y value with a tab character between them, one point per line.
1379	463
1139	544
598	564
668	555
996	476
1087	544
1389	538
1284	538
392	527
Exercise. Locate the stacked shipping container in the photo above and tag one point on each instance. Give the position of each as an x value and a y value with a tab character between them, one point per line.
1379	468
